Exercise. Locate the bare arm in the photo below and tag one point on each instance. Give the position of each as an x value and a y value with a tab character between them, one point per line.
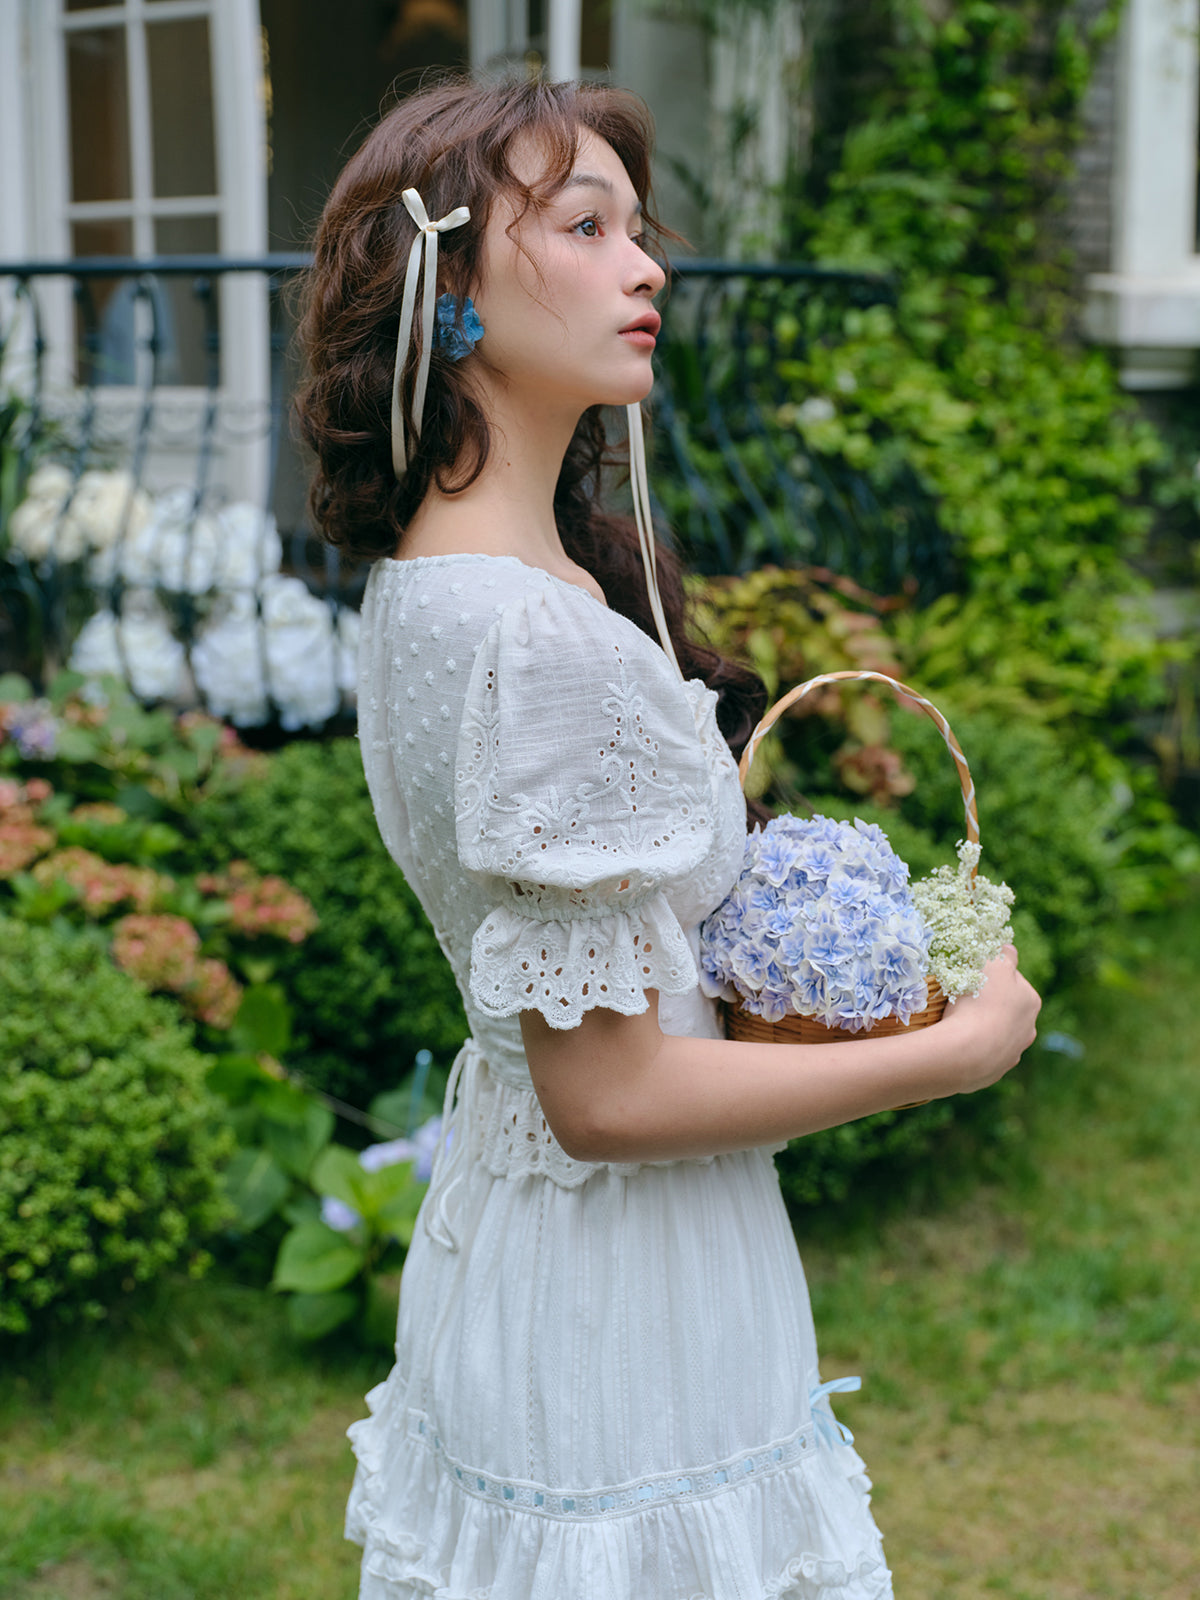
618	1089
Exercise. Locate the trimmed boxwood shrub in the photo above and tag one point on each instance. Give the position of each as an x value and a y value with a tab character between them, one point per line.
110	1145
370	987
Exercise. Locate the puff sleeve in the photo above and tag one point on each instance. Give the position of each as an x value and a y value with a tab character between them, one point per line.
582	794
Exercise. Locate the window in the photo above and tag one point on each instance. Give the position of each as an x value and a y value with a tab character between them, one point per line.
142	169
140	132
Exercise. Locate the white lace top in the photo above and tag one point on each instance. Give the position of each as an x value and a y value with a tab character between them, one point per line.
565	809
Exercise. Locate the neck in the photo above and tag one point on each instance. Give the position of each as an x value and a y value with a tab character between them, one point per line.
509	509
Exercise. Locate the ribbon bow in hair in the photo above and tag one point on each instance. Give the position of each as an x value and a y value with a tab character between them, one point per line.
425	242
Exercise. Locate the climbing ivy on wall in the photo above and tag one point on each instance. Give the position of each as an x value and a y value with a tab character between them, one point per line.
951	176
942	146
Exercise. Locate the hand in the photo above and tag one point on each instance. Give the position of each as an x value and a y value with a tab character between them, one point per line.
997	1025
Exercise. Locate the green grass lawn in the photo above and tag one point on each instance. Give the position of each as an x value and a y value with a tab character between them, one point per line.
1030	1350
1030	1411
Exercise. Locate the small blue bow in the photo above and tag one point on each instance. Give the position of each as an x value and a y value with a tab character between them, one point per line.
828	1427
452	341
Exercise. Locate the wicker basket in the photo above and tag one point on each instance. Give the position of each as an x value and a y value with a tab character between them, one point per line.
795	1029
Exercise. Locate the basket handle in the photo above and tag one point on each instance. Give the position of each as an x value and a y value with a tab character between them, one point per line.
931	711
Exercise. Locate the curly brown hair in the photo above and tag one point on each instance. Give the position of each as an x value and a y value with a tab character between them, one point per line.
452	142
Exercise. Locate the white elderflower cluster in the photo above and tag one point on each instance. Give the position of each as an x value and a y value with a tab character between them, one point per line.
967	920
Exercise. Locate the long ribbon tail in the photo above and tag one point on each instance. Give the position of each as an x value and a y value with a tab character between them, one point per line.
640	484
428	299
828	1426
403	342
451	1155
426	240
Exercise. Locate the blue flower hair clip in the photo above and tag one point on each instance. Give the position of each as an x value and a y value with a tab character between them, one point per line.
452	341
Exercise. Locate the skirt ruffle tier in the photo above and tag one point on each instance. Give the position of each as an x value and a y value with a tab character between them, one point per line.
605	1390
800	1532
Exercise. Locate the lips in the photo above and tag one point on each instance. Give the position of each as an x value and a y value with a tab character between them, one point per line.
649	323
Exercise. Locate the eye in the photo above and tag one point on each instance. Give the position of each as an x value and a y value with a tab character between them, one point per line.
589	227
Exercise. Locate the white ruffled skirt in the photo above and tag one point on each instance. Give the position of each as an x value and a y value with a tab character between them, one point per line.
606	1387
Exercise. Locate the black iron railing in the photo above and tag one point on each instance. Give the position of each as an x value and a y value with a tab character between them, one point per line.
152	505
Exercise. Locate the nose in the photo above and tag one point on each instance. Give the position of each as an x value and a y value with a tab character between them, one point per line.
646	274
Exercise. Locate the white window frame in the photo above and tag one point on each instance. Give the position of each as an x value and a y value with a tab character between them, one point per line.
36	210
1148	306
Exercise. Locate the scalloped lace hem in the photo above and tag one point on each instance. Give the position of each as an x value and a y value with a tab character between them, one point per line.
564	968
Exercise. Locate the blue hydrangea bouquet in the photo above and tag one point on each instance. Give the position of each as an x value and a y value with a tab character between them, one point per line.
823	937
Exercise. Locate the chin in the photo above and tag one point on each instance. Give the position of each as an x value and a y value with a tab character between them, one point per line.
629	393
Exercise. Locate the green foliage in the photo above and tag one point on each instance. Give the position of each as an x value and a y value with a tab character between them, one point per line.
371	986
109	1144
1047	828
950	175
794	625
287	1169
156	766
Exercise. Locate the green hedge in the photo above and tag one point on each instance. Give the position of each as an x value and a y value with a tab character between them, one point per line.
370	987
110	1146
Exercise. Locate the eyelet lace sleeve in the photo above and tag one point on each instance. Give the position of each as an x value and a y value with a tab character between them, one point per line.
582	795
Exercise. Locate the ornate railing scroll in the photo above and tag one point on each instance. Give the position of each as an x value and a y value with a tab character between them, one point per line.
152	501
739	483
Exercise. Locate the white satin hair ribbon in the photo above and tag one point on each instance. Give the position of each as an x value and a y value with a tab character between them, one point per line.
426	241
640	485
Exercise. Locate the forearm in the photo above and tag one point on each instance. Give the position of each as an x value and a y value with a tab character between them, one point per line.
618	1089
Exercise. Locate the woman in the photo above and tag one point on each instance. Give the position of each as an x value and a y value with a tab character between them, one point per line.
606	1384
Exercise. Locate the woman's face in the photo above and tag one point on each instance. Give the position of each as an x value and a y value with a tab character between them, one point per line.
578	328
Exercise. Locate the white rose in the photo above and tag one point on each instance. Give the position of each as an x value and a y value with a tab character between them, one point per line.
62	519
34	525
108	505
349	626
51	481
34	529
190	552
182	544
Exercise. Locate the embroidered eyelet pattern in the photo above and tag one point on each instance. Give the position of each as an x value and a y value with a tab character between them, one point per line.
618	1499
575	896
579	869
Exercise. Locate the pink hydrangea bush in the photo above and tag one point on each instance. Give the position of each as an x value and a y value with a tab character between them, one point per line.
260	905
23	838
102	885
163	952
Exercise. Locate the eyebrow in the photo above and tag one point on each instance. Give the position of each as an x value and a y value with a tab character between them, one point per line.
593	180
